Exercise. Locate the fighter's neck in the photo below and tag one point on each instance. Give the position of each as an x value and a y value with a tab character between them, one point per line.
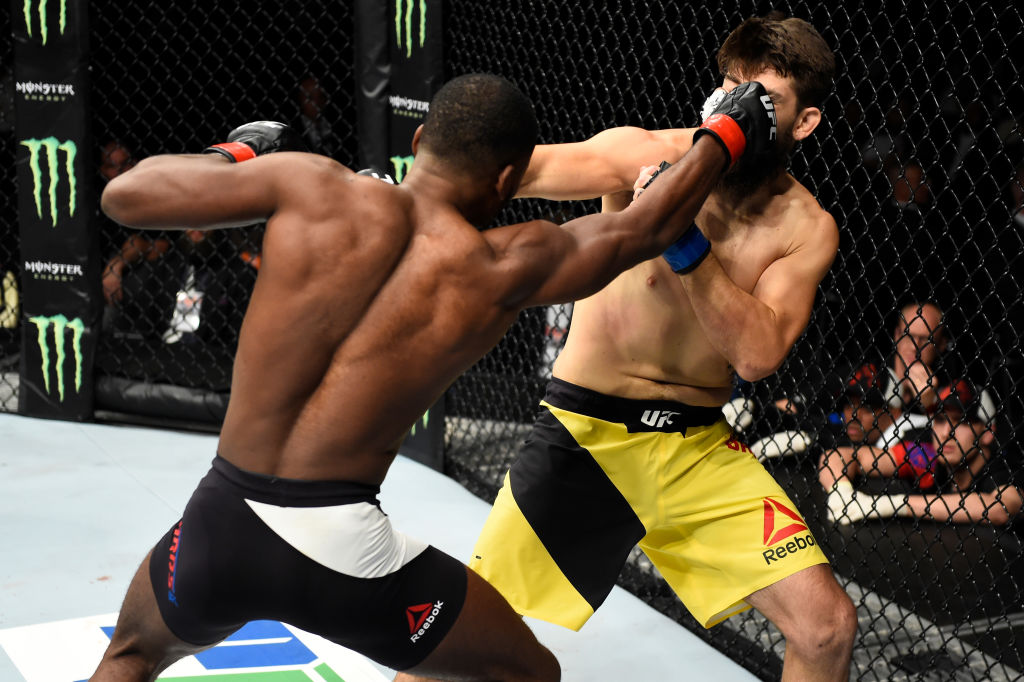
748	204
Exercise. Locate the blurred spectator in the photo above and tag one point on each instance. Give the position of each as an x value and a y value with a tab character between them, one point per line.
911	189
955	472
316	129
115	158
920	339
878	404
10	300
890	139
872	412
190	287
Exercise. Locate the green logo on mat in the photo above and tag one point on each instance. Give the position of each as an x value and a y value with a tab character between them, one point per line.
51	145
403	23
41	11
401	165
60	326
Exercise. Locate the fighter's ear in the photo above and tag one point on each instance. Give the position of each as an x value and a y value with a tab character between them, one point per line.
416	139
508	182
807	119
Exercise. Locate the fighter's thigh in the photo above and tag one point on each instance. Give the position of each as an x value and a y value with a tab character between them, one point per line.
488	641
142	645
730	530
560	529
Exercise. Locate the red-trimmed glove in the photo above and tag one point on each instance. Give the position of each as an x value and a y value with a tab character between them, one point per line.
254	139
742	121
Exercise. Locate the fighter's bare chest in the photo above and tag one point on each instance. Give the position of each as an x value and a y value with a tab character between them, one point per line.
745	249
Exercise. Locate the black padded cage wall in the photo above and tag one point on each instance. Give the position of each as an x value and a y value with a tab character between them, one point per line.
931	89
922	89
10	268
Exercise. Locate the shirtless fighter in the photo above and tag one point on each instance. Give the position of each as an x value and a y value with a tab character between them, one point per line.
630	445
371	299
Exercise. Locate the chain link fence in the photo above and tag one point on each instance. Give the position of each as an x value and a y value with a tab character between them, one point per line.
919	159
173	78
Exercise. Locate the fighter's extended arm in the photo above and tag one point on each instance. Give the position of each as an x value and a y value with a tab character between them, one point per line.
215	189
755	331
580	257
604	164
548	265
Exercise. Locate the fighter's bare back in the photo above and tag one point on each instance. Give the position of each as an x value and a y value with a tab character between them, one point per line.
376	289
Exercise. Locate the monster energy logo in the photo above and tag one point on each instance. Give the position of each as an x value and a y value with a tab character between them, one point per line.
52	145
403	23
41	11
426	422
60	325
401	165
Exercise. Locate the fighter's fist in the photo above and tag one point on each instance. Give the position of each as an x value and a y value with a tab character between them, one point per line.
374	172
259	137
742	121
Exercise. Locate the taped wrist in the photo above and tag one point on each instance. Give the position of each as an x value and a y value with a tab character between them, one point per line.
236	151
688	251
728	133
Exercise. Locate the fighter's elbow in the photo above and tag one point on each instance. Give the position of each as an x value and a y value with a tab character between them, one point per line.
757	366
118	200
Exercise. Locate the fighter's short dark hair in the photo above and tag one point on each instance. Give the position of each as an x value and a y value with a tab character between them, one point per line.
480	122
790	46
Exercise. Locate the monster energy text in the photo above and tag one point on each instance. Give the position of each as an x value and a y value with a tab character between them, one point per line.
59	272
403	23
45	92
51	145
60	325
41	12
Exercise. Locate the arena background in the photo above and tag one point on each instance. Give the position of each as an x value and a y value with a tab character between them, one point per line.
933	84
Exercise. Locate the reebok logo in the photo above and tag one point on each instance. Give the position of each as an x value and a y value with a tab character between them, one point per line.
658	418
769	107
777	528
771	535
421	617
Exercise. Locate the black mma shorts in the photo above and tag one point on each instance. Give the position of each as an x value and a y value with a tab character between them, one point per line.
320	555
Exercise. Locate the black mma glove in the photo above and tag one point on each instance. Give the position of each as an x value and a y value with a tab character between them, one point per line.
742	121
689	250
257	138
375	172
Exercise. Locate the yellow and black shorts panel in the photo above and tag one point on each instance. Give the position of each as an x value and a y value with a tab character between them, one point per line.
584	491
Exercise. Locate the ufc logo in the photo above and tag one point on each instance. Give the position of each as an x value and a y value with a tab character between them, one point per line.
769	107
658	418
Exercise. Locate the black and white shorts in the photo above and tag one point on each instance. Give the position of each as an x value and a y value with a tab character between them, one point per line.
320	555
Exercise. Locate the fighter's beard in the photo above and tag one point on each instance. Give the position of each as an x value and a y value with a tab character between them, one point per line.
751	174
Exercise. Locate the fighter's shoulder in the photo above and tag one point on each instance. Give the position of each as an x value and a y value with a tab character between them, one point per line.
808	218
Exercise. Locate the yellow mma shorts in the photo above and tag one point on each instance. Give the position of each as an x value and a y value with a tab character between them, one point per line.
600	474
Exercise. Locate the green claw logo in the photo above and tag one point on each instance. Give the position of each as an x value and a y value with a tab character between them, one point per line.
51	145
60	326
403	23
426	422
401	165
41	11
